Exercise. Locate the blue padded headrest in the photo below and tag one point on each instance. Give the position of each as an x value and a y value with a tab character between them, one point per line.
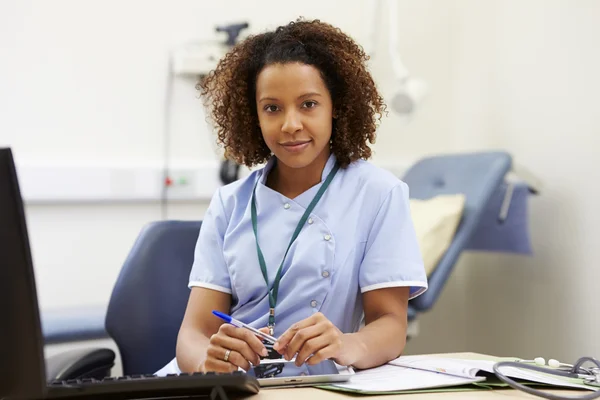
150	296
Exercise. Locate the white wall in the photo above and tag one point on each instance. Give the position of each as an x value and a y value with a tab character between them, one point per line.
86	81
525	78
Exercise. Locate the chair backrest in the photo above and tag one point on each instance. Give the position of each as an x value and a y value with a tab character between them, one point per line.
477	176
149	298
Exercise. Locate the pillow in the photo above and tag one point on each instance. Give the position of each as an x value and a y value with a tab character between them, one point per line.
435	222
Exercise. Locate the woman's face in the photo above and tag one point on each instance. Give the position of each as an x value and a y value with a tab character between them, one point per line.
294	112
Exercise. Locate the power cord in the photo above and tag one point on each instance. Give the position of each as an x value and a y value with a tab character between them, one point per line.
166	138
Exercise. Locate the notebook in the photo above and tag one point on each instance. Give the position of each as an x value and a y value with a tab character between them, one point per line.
418	374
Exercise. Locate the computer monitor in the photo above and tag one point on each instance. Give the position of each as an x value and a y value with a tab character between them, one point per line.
22	372
22	364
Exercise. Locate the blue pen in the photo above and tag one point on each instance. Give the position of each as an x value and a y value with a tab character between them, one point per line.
240	324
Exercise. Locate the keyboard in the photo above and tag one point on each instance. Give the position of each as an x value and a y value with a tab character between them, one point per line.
149	386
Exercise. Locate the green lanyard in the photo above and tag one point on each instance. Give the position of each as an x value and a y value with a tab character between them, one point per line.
261	259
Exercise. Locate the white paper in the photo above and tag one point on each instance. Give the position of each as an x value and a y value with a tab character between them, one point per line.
389	378
542	378
518	373
450	366
469	368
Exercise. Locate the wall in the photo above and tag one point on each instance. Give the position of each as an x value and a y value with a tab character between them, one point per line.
525	78
87	82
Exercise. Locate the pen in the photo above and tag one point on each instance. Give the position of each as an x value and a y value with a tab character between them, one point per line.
240	324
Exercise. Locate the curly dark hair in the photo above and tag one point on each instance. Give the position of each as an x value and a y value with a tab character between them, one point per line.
229	90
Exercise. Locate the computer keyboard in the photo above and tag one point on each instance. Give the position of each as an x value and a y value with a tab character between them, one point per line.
149	386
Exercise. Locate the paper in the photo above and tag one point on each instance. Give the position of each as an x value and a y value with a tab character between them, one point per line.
525	374
450	366
391	378
469	368
545	378
428	374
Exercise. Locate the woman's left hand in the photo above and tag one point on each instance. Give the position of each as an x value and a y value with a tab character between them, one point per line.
315	337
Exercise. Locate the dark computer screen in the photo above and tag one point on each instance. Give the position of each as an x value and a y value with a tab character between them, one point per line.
22	371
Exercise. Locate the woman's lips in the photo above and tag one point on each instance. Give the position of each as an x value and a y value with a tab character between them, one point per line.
295	147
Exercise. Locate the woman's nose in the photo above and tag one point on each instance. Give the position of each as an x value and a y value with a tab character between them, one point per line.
292	122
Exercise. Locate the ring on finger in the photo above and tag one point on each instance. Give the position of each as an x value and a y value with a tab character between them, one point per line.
226	357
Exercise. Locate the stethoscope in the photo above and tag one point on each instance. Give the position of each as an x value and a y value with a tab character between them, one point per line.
589	375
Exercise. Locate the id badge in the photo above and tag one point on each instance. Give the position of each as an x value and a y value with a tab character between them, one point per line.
273	354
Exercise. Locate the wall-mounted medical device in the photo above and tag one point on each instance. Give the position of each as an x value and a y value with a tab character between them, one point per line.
197	59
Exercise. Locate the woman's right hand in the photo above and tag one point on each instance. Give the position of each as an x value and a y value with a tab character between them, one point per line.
233	347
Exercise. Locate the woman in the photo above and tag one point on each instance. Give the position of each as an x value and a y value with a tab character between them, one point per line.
300	99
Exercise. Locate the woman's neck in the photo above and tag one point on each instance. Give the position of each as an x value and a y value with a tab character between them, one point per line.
291	182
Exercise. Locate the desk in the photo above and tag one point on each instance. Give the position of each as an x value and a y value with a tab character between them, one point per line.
322	394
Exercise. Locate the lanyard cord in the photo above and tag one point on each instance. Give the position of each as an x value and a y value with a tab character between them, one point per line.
261	259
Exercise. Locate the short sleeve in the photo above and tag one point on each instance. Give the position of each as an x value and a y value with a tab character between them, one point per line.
209	269
392	256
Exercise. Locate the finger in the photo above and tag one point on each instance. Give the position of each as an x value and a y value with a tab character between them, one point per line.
218	353
216	356
254	343
311	347
247	336
264	330
214	361
321	355
237	345
300	337
214	365
285	338
239	360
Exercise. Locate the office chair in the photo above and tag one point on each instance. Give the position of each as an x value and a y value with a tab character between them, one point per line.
477	176
146	306
149	299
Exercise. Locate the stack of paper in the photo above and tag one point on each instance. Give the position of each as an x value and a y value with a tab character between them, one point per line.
391	378
471	368
427	373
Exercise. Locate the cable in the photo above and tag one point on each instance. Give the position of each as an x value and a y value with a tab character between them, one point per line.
539	393
373	27
166	137
397	65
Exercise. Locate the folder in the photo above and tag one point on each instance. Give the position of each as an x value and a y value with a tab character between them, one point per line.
419	374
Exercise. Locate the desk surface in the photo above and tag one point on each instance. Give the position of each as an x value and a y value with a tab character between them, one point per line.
322	394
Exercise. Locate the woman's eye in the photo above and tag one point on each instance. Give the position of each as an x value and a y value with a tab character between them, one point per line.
309	104
270	108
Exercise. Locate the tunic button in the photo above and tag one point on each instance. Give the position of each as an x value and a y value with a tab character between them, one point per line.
310	221
286	206
313	303
325	274
327	237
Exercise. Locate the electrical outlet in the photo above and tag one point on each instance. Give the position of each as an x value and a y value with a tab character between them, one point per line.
191	183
